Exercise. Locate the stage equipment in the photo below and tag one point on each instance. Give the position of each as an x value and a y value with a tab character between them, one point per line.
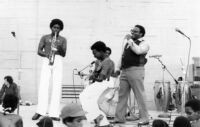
184	71
179	31
162	95
84	77
162	91
194	70
177	95
195	90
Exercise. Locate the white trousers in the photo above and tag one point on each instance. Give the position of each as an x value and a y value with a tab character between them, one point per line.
48	72
89	100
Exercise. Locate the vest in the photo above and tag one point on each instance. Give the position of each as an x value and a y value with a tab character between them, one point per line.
130	58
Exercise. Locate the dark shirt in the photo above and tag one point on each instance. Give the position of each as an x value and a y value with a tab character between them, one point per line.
130	58
12	89
44	47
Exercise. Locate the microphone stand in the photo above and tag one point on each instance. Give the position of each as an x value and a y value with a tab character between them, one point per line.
165	115
79	72
165	68
74	84
19	69
81	76
184	78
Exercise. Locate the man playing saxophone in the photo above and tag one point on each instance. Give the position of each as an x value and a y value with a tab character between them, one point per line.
52	49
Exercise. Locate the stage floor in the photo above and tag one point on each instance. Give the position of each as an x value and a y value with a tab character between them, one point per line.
28	111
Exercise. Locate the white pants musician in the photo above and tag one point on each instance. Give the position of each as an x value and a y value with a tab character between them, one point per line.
49	72
89	100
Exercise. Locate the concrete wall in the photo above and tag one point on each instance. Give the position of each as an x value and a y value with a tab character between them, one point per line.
87	21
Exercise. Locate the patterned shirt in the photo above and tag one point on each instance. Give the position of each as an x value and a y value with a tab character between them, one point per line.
44	47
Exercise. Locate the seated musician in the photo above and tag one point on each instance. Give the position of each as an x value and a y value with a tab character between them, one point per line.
9	87
100	77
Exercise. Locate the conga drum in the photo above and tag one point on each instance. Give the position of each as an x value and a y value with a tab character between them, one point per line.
195	90
162	95
182	94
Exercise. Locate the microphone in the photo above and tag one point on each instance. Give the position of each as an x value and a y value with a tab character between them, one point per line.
179	31
128	36
13	33
155	56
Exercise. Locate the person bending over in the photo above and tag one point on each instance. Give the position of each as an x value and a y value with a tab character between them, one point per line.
100	81
9	87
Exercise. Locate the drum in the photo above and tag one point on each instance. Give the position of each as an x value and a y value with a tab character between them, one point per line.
194	91
162	95
181	94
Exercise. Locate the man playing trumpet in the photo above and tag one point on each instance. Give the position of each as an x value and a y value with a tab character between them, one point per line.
52	49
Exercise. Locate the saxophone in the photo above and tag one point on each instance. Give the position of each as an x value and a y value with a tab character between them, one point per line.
53	50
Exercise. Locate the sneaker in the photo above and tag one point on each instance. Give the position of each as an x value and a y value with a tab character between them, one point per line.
143	122
117	122
55	118
132	118
98	120
36	116
109	125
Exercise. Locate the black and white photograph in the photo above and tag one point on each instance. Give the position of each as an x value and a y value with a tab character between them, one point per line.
99	63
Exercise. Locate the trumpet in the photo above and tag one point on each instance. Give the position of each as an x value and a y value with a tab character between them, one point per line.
53	50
